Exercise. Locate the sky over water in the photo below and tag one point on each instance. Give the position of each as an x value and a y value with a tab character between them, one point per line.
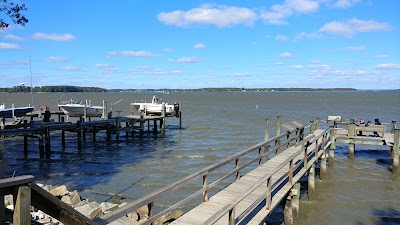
193	44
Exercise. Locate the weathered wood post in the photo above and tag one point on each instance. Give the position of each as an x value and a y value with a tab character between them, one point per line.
79	134
163	118
393	126
117	129
323	158
108	132
148	126
312	127
2	125
288	211
25	139
85	112
351	134
237	169
311	181
332	146
266	136
47	141
205	190
180	115
141	125
155	127
295	192
396	149
278	128
126	132
22	206
317	125
40	140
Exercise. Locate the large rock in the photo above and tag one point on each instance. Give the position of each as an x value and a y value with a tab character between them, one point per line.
81	203
134	216
66	199
75	198
143	213
169	217
59	191
91	210
107	207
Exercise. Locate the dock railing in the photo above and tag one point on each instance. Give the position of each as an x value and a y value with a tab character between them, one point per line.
293	135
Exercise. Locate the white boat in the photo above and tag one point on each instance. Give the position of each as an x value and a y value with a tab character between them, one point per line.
155	107
75	108
14	111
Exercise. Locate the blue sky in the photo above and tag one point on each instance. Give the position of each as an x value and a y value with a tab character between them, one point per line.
195	44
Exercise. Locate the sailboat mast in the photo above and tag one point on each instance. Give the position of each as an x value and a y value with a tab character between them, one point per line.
30	69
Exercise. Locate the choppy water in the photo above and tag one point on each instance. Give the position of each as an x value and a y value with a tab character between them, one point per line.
217	125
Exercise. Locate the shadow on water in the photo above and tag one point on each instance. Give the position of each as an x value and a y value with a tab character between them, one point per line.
387	216
95	164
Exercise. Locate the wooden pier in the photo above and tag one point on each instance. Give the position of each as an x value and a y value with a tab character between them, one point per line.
275	166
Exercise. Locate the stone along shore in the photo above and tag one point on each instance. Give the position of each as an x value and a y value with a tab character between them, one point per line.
90	209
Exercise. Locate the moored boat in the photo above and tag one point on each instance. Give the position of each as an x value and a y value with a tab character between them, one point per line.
156	107
76	108
14	111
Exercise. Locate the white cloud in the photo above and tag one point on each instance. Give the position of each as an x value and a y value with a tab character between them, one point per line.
199	46
304	35
70	69
355	48
191	59
281	37
354	26
278	13
279	63
382	56
13	37
242	74
388	66
131	53
286	55
154	71
106	67
297	67
168	50
56	59
220	16
54	37
345	3
9	46
15	63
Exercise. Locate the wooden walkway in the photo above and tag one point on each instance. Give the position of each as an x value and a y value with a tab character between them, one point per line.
252	197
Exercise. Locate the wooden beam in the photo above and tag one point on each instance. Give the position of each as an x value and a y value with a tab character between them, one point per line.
22	207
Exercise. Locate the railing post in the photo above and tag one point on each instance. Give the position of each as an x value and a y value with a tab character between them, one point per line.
260	156
317	125
396	149
278	128
311	127
305	159
287	139
266	134
269	194
205	190
22	206
332	146
232	216
393	126
291	172
323	157
150	207
237	169
351	134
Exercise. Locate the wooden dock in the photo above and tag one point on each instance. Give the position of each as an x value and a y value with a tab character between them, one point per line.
275	166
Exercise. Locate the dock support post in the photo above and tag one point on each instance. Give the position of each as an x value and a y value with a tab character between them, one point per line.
141	125
40	140
312	127
351	133
155	127
47	141
2	125
318	122
79	133
295	192
278	127
148	126
396	149
288	211
323	159
205	190
332	147
108	133
163	118
266	135
25	139
180	115
393	126
311	181
117	129
22	206
85	112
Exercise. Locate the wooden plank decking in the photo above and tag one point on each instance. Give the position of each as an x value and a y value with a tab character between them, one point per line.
201	213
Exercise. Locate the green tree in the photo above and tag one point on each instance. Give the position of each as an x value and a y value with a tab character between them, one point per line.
13	11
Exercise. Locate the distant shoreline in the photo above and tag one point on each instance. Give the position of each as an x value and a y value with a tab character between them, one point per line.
24	89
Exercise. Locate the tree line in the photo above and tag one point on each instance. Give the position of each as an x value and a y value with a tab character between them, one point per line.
63	88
